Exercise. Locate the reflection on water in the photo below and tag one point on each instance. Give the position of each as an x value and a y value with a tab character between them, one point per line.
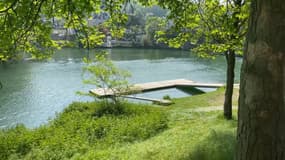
35	91
122	54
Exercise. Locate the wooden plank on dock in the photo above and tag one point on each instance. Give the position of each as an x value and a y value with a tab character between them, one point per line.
151	86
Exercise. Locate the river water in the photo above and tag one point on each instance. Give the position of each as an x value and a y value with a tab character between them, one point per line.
34	92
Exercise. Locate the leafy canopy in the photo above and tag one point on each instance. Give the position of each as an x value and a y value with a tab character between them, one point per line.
213	26
26	25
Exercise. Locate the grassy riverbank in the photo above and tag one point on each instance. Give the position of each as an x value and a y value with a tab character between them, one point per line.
192	128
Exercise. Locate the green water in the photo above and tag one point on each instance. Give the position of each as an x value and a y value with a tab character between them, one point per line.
34	91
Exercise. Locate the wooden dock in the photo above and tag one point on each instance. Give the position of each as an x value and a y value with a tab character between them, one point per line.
152	86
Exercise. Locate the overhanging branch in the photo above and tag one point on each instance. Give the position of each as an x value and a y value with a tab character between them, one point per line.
10	7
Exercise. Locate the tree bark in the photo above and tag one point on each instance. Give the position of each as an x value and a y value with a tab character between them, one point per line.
230	56
261	124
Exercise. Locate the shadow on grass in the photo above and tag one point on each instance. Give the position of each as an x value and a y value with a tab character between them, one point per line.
219	145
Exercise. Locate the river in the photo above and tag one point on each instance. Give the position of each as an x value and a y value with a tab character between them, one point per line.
33	92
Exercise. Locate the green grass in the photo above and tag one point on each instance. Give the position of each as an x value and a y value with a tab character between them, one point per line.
215	98
129	131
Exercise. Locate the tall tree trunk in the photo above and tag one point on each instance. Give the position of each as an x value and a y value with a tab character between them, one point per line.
230	56
261	124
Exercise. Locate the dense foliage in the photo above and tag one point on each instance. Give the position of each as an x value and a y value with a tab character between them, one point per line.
80	128
26	25
213	26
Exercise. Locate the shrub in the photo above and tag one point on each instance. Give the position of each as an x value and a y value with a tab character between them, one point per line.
80	128
103	73
167	97
109	108
16	141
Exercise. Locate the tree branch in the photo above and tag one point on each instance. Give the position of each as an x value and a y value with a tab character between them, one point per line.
34	19
10	7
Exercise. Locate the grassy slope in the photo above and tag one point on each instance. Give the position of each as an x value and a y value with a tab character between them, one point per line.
85	131
191	134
